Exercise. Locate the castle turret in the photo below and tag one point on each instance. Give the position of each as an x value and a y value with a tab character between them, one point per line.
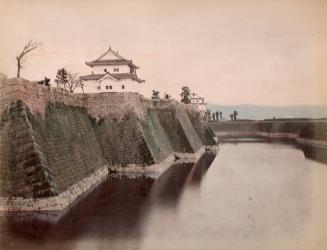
111	73
198	101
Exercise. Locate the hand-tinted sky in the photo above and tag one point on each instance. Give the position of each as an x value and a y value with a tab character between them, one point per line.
231	52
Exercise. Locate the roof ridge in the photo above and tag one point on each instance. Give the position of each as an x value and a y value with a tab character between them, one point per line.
110	50
108	73
195	95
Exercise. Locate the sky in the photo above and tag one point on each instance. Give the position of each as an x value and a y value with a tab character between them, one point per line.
230	52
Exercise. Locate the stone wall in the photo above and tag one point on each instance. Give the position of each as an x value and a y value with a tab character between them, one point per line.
35	96
309	135
308	129
201	125
49	152
51	140
122	141
179	129
155	135
147	131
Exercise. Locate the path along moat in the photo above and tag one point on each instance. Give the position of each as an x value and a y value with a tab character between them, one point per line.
254	195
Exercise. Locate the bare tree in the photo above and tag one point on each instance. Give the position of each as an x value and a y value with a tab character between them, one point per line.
81	85
73	82
29	47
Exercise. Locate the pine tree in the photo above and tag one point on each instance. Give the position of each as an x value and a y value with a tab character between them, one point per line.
235	113
61	78
217	115
185	95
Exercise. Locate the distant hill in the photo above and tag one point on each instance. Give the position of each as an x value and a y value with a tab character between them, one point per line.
257	112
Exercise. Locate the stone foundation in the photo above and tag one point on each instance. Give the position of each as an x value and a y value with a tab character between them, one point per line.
55	146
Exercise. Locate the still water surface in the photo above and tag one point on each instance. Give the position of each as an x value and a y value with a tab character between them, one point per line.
253	196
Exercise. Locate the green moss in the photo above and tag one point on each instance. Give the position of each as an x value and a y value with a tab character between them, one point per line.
155	135
67	140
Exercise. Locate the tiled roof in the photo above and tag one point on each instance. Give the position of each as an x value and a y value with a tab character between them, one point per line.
119	76
196	96
92	77
112	62
118	61
112	52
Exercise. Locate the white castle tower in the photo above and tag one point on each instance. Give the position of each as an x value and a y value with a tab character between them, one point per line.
198	101
111	73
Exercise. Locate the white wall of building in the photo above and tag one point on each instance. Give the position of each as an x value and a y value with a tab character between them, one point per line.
109	85
111	69
197	100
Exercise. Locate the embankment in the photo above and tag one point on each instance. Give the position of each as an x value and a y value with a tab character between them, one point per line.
310	135
55	146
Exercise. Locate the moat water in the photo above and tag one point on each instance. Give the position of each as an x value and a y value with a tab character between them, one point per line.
254	195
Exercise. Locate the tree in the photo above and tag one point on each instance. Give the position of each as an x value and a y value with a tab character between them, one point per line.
81	85
235	113
61	78
186	95
45	82
231	117
68	80
221	115
73	82
29	47
167	96
155	94
217	115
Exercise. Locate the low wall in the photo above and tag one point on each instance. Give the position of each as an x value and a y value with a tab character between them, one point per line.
308	129
55	145
310	135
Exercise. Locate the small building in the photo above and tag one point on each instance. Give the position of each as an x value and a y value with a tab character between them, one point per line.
111	73
198	101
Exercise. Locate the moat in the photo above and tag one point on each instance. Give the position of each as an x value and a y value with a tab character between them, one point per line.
254	195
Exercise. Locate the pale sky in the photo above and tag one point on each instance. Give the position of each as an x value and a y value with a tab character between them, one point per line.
231	52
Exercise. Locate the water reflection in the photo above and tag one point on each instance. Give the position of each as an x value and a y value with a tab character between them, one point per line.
253	196
116	212
314	153
201	168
